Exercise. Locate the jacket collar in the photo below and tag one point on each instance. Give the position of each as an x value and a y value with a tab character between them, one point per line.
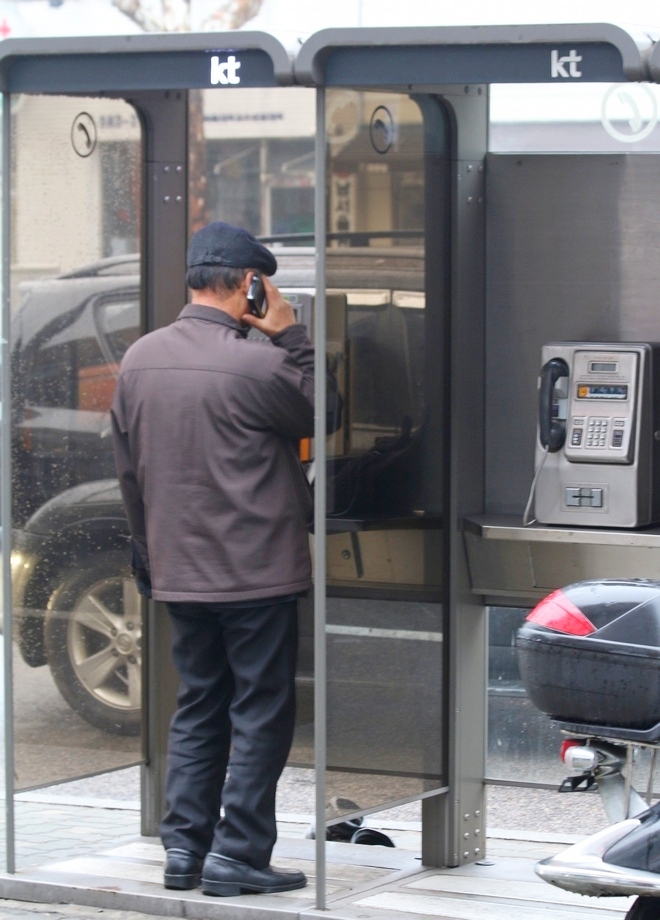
213	315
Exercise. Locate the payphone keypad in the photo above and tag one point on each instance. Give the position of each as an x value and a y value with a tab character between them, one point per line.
598	433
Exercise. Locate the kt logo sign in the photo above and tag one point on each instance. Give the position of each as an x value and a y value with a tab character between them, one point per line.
225	73
566	66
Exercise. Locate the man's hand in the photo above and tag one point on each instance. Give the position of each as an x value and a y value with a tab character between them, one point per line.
278	316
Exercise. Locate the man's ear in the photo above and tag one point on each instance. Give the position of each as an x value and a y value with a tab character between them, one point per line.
247	278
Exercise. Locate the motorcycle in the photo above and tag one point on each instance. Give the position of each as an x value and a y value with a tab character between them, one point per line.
589	657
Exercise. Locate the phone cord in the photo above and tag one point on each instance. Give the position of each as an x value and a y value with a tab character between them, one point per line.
528	506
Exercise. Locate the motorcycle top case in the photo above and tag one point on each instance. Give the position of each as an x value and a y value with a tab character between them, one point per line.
590	653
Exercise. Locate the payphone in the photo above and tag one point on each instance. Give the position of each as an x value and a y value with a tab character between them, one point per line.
597	457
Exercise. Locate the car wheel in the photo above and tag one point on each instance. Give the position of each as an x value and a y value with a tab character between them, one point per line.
644	909
93	635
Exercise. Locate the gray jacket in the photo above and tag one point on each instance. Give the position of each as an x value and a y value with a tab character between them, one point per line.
205	425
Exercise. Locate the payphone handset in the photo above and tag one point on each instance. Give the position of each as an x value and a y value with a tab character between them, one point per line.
597	450
553	392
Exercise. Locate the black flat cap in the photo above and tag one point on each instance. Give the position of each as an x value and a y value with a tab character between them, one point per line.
221	244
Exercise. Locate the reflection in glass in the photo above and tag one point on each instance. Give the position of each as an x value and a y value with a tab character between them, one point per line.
75	309
385	617
257	151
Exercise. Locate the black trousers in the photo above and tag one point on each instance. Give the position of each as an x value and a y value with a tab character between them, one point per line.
232	731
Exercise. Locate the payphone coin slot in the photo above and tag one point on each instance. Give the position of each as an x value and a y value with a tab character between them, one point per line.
583	497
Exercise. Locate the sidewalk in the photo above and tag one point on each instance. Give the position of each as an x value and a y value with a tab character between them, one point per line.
87	860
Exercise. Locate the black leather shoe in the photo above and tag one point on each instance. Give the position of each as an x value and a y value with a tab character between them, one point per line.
224	877
183	869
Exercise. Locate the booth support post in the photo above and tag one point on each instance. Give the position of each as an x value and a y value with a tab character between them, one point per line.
164	241
453	825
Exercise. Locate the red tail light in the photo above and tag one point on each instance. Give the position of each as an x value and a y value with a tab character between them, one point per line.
565	745
556	611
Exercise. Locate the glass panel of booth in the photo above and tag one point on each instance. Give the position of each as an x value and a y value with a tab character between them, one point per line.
252	162
384	626
255	154
76	167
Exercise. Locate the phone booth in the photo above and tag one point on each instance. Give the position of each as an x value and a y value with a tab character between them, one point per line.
363	162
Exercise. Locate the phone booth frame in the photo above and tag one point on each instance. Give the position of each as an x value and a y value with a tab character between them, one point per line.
457	64
448	59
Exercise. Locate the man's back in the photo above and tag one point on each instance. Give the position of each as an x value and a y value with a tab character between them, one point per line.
214	421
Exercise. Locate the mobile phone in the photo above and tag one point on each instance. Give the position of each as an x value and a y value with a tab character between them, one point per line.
256	296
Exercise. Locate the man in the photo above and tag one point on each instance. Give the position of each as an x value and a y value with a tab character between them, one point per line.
206	425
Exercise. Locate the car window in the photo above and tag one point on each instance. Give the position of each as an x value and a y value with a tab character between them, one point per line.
76	370
51	381
116	323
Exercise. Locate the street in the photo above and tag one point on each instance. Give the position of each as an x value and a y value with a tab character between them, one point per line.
52	743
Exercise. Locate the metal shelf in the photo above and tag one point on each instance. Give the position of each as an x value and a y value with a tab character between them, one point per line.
522	564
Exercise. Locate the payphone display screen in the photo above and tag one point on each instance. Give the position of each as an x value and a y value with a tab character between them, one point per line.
601	391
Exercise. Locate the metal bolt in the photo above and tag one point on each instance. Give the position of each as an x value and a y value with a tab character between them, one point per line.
166	199
466	835
166	168
466	855
466	816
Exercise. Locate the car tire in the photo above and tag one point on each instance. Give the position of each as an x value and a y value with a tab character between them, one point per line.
93	634
644	909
